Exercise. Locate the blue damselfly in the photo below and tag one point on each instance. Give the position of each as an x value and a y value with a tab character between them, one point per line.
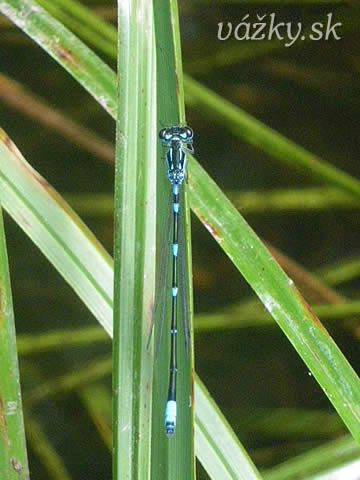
178	141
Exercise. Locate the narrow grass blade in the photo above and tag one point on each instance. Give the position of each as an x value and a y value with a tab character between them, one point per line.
37	110
268	140
81	62
219	451
293	200
91	372
28	344
13	454
96	398
350	471
331	454
135	241
251	202
46	452
57	230
251	314
179	450
84	15
279	296
77	25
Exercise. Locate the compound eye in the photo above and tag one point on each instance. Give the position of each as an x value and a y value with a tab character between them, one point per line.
162	134
184	133
189	133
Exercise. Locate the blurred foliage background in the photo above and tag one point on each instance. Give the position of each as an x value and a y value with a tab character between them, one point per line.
310	93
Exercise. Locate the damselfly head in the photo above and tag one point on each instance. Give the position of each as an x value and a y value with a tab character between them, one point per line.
176	134
169	430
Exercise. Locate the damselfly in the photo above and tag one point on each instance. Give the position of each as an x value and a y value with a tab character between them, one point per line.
178	141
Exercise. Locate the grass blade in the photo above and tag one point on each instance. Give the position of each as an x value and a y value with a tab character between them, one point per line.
46	452
279	296
316	460
179	450
57	230
13	454
134	243
268	140
70	52
221	454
